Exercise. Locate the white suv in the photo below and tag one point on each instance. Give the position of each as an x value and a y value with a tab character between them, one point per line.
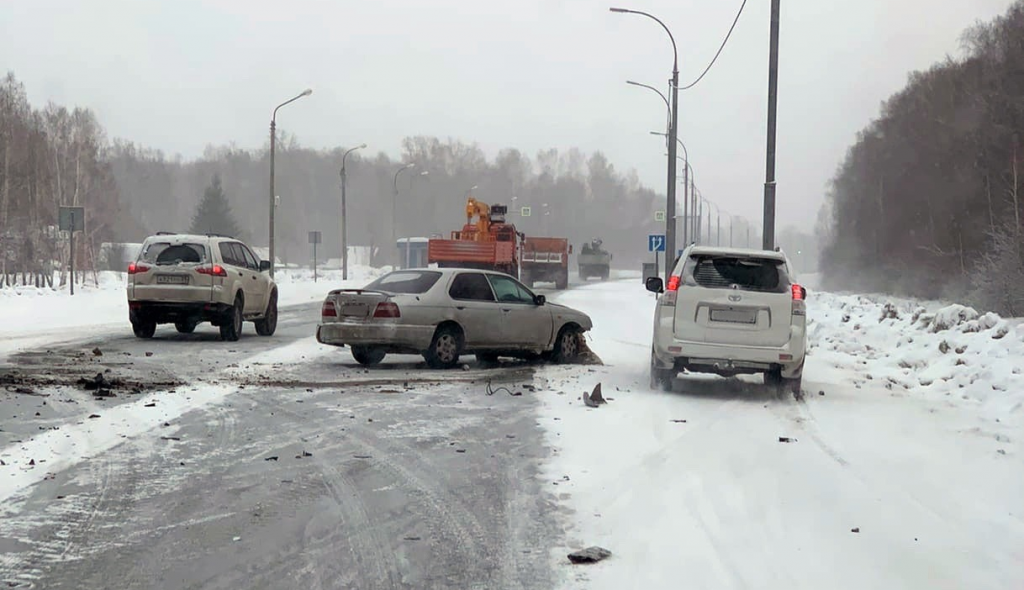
729	311
186	279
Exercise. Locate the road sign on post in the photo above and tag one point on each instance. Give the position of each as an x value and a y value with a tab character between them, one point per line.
656	243
524	211
659	216
315	238
71	219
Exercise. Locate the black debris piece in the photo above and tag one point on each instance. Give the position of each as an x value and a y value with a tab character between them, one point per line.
595	398
413	538
271	458
149	353
460	450
678	421
786	439
32	462
855	530
170	438
590	555
94	415
150	405
97	352
303	455
361	456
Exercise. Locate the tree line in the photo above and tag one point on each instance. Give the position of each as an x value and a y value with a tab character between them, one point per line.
927	201
54	157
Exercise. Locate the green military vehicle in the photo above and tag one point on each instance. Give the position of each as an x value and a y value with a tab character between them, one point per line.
594	261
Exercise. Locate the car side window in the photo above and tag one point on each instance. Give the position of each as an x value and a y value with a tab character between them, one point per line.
239	252
471	286
508	290
227	253
250	258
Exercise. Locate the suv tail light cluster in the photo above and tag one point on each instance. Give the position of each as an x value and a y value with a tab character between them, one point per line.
328	310
135	268
387	309
214	271
799	303
671	291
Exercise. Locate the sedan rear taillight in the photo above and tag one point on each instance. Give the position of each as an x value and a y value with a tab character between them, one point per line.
328	310
214	271
135	268
387	309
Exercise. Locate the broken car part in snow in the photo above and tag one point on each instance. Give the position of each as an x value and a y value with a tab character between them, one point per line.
589	555
594	399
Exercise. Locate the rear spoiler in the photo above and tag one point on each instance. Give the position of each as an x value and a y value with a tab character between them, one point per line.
360	291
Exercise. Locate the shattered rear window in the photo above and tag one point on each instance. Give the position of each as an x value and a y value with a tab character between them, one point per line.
749	274
409	282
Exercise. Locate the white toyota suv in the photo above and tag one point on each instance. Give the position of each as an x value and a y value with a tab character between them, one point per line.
729	311
184	279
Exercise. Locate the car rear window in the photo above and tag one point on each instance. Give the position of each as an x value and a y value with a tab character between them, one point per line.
165	253
748	273
405	281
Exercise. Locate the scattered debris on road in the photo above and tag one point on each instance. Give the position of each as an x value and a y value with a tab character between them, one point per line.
303	455
170	438
492	390
589	555
361	456
413	538
678	421
857	530
595	399
97	352
786	439
94	415
150	405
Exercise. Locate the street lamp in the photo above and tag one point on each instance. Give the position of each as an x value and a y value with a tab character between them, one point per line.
344	217
689	224
273	141
670	230
408	240
394	202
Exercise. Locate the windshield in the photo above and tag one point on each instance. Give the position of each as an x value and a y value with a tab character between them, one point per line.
162	253
413	282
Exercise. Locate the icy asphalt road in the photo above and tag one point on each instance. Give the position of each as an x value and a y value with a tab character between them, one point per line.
884	482
413	478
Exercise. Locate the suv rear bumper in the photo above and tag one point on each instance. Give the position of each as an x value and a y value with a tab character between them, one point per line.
163	312
730	359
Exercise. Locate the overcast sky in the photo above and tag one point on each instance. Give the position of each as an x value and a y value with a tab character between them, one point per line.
180	75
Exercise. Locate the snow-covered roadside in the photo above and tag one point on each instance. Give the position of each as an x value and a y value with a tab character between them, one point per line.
31	317
694	488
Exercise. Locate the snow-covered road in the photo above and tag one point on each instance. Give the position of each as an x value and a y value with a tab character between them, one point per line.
909	433
695	489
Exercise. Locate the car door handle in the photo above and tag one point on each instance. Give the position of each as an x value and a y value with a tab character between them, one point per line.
460	307
505	309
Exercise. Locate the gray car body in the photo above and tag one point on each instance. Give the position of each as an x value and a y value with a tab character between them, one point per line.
514	328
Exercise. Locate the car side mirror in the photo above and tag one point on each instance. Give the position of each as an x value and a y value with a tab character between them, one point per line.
654	284
539	300
264	265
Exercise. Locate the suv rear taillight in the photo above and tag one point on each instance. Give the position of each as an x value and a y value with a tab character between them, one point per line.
214	271
387	309
135	268
328	310
671	291
799	305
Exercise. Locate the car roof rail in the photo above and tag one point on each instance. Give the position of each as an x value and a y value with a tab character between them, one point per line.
166	233
212	235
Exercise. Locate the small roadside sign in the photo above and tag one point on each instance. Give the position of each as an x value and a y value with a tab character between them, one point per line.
524	211
315	237
659	216
656	243
71	218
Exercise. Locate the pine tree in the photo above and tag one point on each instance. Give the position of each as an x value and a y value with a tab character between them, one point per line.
213	215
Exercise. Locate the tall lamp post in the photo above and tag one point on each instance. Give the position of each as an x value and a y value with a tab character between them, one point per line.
394	202
273	142
687	185
344	216
670	229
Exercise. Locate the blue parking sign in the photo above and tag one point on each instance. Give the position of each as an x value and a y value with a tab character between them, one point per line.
656	243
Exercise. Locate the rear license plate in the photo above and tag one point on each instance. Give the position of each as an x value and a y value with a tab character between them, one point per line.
354	309
172	279
734	316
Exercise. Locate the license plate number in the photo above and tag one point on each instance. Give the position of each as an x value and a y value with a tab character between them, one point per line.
734	316
172	279
354	309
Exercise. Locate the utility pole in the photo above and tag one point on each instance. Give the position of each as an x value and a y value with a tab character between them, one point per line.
344	218
273	196
773	99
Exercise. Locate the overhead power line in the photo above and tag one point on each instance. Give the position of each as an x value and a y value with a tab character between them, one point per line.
714	59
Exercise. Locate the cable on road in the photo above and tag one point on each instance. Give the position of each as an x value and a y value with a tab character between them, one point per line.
494	390
714	59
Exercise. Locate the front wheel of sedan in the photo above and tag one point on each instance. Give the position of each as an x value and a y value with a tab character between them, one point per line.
567	345
444	348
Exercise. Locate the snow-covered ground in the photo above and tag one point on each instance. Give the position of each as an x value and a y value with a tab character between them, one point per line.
31	316
910	435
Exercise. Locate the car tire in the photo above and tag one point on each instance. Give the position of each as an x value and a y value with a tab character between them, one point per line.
773	377
144	329
185	327
567	345
231	325
445	348
267	325
661	379
368	355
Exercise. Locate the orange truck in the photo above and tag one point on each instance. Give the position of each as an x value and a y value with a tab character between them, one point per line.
545	260
490	243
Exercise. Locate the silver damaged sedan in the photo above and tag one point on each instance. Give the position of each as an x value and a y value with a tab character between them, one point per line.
444	313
